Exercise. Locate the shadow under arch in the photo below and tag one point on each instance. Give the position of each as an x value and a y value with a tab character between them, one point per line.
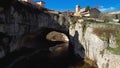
43	31
40	36
34	58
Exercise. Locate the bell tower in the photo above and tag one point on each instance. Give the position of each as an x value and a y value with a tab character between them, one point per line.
77	8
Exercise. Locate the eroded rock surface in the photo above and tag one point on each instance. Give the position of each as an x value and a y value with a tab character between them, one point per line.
95	47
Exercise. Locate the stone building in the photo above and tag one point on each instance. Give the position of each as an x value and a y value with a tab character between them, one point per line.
94	12
26	0
82	12
115	16
41	3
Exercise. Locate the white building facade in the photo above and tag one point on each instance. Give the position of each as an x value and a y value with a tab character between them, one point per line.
26	0
77	8
41	3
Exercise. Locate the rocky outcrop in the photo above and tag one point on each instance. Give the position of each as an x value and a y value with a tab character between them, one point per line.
21	18
103	51
57	36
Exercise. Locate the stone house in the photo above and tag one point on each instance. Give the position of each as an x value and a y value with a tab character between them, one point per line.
115	16
41	3
38	3
26	0
92	12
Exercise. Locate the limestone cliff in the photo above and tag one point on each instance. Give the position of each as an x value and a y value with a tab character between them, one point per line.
101	42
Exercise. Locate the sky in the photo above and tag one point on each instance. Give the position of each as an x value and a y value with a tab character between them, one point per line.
65	5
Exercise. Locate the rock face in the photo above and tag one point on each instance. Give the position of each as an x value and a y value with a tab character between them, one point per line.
23	31
57	36
21	18
60	48
96	48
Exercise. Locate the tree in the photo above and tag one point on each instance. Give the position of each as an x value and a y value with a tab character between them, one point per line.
87	8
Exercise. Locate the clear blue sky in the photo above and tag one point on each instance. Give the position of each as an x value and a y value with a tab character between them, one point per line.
64	5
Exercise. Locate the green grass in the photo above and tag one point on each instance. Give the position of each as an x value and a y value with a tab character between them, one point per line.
114	50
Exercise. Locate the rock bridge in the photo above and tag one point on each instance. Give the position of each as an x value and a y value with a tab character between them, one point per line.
19	20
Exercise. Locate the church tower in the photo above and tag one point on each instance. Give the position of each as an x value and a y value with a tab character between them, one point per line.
77	8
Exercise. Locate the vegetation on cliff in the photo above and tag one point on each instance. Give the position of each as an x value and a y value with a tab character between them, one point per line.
106	33
74	19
